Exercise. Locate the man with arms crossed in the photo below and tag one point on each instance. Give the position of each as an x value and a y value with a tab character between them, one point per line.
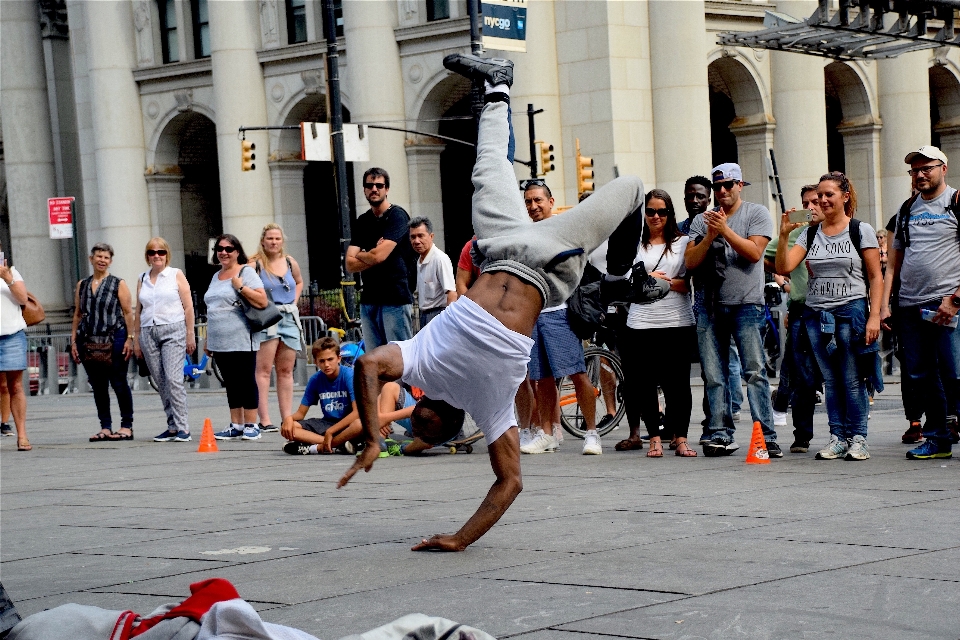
926	256
474	355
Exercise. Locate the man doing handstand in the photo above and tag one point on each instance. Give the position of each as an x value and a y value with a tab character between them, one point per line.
474	355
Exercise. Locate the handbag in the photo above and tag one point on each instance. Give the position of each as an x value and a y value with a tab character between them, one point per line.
260	319
33	312
97	352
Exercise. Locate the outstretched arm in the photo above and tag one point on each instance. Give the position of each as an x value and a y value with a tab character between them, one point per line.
505	460
383	364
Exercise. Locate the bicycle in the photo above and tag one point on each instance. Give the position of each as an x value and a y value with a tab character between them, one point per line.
192	372
597	360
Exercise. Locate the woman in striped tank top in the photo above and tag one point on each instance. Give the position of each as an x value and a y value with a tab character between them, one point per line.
102	314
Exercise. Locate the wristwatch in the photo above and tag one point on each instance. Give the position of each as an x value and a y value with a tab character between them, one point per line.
955	300
240	289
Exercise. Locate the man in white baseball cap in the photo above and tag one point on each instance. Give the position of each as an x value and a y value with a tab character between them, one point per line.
926	258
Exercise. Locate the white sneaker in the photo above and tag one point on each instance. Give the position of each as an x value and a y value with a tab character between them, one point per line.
541	443
836	448
591	443
736	416
526	437
857	449
779	419
558	433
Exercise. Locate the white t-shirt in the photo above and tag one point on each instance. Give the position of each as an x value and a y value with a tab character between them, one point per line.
11	316
434	278
674	309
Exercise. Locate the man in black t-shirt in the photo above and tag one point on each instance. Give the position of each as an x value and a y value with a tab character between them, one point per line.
382	251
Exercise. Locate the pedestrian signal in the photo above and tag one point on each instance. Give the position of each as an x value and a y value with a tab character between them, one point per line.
247	155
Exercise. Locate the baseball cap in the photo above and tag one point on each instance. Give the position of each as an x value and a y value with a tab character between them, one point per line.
926	151
727	171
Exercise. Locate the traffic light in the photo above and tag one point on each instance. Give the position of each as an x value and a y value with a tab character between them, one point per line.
584	172
546	157
247	155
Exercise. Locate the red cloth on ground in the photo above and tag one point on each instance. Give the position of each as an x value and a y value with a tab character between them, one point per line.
204	595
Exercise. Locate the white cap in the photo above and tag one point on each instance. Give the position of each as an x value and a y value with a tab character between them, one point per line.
926	151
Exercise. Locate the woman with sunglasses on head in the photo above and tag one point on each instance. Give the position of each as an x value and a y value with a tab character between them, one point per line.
655	346
13	348
164	313
229	339
280	343
102	339
840	322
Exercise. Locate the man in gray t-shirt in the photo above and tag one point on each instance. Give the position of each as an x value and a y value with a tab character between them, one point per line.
731	239
926	257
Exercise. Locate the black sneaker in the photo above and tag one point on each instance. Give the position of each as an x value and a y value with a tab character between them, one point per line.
297	448
719	447
800	446
774	450
952	432
5	429
913	434
604	421
268	428
493	70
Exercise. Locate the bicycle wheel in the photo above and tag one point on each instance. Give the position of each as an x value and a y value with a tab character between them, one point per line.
603	366
216	369
153	385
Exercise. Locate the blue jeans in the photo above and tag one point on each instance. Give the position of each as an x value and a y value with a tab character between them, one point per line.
735	381
385	323
742	323
796	382
844	386
931	352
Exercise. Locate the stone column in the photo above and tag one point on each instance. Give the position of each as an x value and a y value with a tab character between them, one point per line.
799	108
117	134
753	143
373	92
680	95
239	100
424	163
290	210
165	212
860	145
903	91
28	154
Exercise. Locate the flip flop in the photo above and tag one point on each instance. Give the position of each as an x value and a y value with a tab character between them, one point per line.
116	436
101	436
24	445
629	445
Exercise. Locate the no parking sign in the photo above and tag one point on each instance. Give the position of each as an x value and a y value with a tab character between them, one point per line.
504	25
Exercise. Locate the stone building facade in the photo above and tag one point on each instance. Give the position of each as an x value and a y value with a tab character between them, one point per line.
133	107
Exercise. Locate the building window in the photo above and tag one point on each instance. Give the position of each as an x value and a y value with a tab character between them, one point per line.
296	21
201	28
438	10
169	37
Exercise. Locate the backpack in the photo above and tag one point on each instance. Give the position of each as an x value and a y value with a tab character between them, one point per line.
585	312
902	233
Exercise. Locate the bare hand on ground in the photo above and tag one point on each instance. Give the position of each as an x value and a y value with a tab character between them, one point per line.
364	461
439	543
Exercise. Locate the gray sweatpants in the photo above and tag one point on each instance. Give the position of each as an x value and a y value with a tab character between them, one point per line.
505	231
164	347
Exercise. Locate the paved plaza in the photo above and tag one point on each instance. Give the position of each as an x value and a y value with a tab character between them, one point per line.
615	546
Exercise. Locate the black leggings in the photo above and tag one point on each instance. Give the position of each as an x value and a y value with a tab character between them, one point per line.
238	369
652	358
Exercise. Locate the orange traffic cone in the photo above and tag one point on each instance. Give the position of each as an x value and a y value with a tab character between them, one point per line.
208	444
757	454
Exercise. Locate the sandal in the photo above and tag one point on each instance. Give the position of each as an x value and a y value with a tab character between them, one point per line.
102	435
656	450
684	450
118	437
24	445
629	444
674	443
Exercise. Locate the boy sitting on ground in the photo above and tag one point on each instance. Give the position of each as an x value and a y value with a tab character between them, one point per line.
332	388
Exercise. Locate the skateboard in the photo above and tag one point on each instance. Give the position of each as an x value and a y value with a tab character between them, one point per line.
465	444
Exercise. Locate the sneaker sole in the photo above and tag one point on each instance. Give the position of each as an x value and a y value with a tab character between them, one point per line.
187	439
532	453
245	437
716	452
830	457
856	458
799	449
216	437
940	455
592	452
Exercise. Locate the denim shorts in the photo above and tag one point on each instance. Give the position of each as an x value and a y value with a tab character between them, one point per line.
287	330
13	351
557	351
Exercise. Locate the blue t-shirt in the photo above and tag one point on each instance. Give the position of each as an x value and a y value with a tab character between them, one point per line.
335	396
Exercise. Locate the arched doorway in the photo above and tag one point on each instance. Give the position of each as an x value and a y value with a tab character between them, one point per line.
184	188
306	197
741	130
853	136
456	169
945	109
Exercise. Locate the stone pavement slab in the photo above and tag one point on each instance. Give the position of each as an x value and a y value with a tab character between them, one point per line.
611	546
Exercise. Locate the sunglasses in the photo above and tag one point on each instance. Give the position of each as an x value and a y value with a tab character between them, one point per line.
156	252
370	186
533	182
656	212
225	248
727	184
924	170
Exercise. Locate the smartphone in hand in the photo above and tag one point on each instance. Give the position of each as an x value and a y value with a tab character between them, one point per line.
800	215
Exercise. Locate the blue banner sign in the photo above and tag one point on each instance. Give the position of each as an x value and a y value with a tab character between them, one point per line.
504	24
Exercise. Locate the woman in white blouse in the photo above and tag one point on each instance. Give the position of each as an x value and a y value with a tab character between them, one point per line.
164	314
656	345
13	347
